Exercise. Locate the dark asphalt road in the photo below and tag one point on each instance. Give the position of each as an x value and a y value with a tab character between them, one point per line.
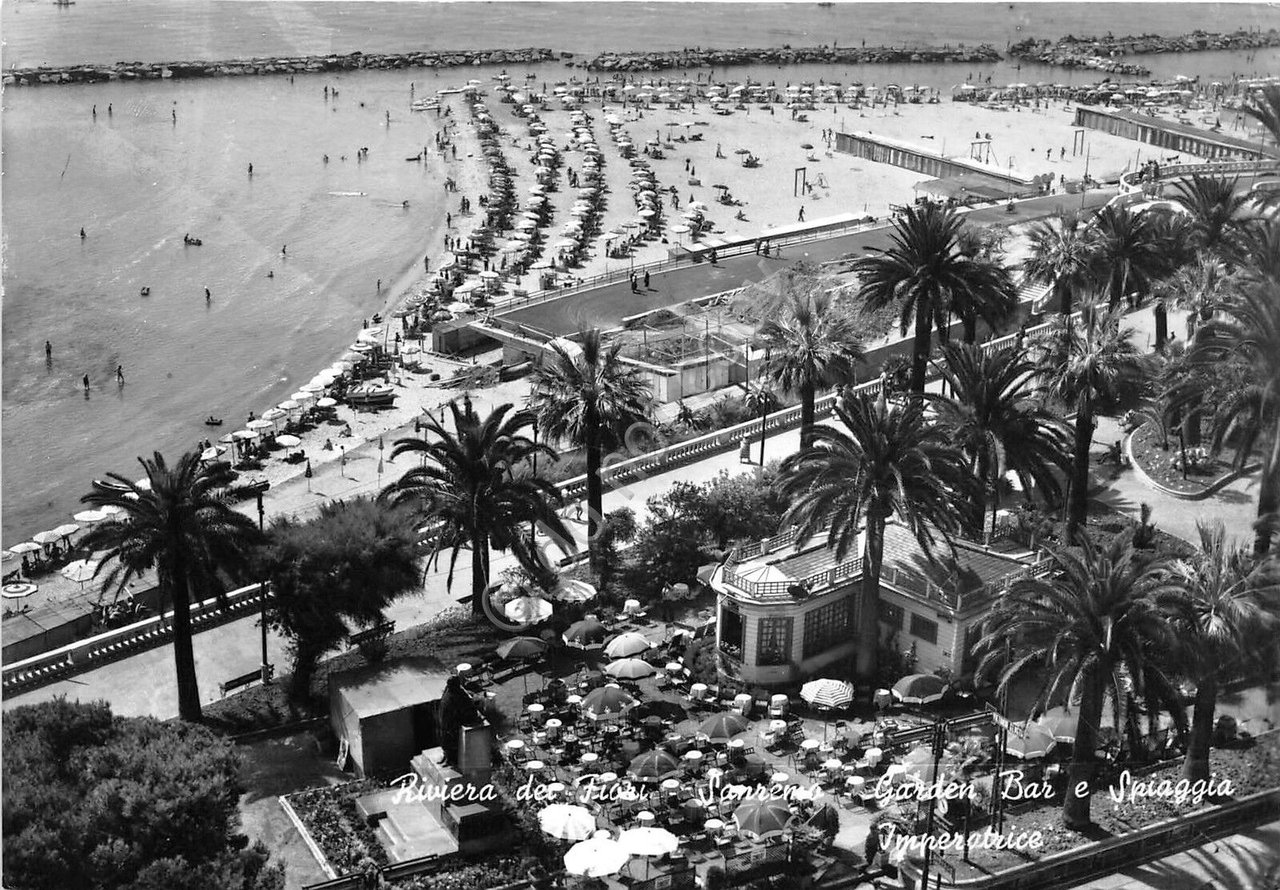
605	306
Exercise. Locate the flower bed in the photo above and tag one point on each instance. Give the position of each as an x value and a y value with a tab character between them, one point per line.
330	817
493	872
1165	467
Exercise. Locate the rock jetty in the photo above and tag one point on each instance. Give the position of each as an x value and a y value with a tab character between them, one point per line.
786	55
1106	53
118	71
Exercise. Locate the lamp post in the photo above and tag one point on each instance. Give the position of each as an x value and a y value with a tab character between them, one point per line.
262	593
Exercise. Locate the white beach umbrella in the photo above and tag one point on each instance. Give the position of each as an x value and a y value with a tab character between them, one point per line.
289	441
89	517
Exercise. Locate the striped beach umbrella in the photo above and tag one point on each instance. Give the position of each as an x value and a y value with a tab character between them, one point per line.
919	689
831	694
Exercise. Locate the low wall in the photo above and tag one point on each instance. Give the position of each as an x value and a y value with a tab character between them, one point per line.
821	55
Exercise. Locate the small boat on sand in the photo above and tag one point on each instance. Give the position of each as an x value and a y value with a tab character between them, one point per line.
371	395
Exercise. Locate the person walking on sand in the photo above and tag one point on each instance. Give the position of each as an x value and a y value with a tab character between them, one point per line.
48	351
800	218
82	233
85	380
284	251
208	295
120	375
250	168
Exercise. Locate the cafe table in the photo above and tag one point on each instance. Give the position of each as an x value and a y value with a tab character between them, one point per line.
714	827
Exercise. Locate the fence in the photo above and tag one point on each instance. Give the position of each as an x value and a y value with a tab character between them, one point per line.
95	651
1132	182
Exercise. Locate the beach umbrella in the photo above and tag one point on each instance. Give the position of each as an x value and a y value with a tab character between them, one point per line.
274	414
648	841
521	648
111	510
528	609
89	517
66	530
680	229
289	405
720	728
570	590
259	424
289	441
79	571
49	537
212	453
606	701
18	591
827	693
595	857
586	634
763	818
630	669
627	644
1028	741
1060	723
567	822
245	435
326	402
26	547
303	397
565	244
919	689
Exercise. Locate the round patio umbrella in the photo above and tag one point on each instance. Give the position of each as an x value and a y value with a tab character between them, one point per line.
50	537
111	509
567	822
648	842
289	405
606	701
519	648
1029	741
528	609
79	571
630	669
289	441
586	634
595	857
627	644
720	728
919	689
66	530
25	547
89	517
260	424
212	453
763	818
1060	723
827	693
18	591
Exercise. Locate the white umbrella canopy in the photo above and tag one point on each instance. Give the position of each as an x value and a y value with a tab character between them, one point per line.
49	537
571	590
245	435
260	424
289	441
326	402
289	405
31	546
595	857
528	609
567	822
648	841
626	645
89	517
827	693
212	453
274	414
80	570
630	669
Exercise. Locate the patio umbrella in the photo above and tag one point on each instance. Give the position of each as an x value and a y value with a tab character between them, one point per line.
18	591
288	405
1060	723
606	701
586	634
66	530
657	707
89	517
627	644
567	822
630	669
79	571
289	441
49	537
764	818
919	689
595	857
259	424
570	590
25	547
648	842
528	609
1031	740
326	402
720	728
827	693
521	648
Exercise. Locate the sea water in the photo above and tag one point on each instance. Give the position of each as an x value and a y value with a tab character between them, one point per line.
137	181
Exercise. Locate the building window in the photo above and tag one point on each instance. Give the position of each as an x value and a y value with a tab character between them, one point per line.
826	626
891	615
773	641
924	628
730	633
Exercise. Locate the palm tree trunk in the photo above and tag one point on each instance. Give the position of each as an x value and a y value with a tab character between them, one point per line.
1075	809
1268	503
1196	764
1065	301
970	327
920	345
808	413
1078	499
479	571
1191	423
869	608
1162	324
595	486
184	659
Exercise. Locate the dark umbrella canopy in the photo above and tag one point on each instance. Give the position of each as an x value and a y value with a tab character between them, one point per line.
520	648
586	634
654	765
722	727
606	701
919	689
666	710
763	818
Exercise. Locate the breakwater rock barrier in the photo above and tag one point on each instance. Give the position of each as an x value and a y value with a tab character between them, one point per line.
786	55
1106	53
120	71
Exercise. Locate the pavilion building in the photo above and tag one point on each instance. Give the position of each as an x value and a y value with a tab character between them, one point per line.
787	614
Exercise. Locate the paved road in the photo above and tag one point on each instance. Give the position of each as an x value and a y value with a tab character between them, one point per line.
606	306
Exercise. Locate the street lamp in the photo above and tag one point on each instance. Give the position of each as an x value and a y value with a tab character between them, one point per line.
262	593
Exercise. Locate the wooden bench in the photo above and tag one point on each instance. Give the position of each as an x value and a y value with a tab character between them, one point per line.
378	631
252	676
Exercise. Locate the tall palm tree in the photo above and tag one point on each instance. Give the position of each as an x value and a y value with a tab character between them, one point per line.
1084	631
1265	109
1244	337
1062	257
1193	286
585	394
181	526
996	417
1128	252
812	343
466	484
1213	204
1087	371
885	461
992	305
926	273
1223	603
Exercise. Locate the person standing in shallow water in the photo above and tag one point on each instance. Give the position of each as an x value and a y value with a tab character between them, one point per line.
120	375
48	351
85	381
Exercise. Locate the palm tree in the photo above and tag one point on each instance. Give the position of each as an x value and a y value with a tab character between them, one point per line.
1223	603
1128	251
1084	631
812	343
1087	371
1194	286
586	395
927	272
1214	207
997	419
181	526
467	485
886	461
1062	257
993	305
1266	110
